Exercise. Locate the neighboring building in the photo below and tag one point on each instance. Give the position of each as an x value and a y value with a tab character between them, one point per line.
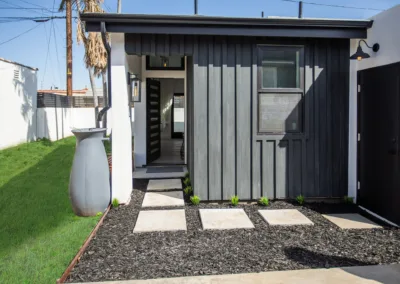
81	92
266	102
18	89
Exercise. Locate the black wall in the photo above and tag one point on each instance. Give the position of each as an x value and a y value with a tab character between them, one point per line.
227	156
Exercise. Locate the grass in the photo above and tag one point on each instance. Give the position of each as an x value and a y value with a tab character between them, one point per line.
39	233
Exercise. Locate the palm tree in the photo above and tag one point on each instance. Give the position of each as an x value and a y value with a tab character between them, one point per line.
95	54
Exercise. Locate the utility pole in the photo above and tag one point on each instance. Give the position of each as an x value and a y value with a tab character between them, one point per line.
69	46
300	9
195	7
119	7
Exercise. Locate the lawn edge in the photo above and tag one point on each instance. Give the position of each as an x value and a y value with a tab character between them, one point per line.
77	257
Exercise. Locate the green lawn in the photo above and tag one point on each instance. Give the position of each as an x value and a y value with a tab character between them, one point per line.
39	234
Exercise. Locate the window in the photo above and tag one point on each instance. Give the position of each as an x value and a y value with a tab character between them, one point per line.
280	89
165	63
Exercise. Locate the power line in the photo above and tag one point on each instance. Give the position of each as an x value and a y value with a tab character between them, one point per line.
335	6
48	48
18	6
26	8
21	34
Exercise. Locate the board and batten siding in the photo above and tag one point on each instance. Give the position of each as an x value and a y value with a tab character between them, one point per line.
227	156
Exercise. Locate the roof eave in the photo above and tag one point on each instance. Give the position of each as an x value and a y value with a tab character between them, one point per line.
205	25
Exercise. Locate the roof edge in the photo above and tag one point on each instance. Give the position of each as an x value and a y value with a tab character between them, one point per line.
19	64
223	21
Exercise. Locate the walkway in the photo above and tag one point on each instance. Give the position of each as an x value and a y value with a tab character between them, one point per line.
387	274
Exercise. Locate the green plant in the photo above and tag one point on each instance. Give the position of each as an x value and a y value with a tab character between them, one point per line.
235	200
188	190
115	203
195	200
186	181
187	175
300	199
263	201
99	214
348	200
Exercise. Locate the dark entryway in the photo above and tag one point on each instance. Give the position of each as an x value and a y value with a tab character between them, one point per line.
378	147
153	120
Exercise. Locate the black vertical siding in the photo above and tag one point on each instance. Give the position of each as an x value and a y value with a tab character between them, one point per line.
226	154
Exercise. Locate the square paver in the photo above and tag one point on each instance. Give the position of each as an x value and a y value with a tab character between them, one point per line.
351	221
221	219
164	184
284	217
161	220
159	199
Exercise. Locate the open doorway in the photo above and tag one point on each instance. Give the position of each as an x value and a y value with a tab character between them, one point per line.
165	121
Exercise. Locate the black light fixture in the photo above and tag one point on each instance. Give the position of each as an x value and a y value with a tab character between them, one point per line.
360	54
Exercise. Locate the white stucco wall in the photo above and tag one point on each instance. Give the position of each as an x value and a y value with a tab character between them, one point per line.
17	104
385	32
122	129
57	123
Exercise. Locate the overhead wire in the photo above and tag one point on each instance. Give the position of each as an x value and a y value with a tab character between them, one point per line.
18	6
48	38
19	35
333	5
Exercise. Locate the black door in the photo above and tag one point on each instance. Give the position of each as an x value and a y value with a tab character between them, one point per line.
178	116
378	122
153	120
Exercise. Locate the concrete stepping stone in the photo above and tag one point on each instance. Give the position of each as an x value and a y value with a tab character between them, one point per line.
351	221
160	199
284	217
164	184
161	220
222	219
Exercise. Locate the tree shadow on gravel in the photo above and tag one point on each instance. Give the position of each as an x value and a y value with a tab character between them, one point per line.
319	260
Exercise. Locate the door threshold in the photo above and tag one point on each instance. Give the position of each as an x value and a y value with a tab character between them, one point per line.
141	173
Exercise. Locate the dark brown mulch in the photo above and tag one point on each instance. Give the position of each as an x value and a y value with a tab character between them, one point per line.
116	253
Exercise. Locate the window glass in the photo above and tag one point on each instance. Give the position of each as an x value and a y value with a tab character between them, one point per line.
280	67
279	113
165	62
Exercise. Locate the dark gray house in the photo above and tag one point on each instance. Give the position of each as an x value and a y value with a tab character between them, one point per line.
265	101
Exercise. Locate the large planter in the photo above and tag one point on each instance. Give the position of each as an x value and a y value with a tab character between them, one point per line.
89	185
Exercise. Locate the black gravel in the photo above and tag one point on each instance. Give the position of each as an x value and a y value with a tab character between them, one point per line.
116	253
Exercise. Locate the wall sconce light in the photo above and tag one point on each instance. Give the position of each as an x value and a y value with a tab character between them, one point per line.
164	61
360	54
134	81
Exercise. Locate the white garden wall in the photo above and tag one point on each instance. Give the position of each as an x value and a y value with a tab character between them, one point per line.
57	123
383	31
18	91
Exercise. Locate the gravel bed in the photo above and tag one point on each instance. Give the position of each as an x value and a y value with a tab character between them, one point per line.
116	253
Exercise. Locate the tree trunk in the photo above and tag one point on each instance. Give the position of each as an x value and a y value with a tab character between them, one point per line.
95	99
105	98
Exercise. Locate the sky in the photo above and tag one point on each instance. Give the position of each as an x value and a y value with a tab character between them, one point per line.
44	46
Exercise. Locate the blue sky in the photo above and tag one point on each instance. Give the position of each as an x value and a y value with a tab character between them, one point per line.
31	48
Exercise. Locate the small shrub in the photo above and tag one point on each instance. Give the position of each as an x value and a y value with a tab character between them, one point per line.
188	190
235	200
348	200
186	181
115	203
195	200
187	175
300	199
98	214
263	201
